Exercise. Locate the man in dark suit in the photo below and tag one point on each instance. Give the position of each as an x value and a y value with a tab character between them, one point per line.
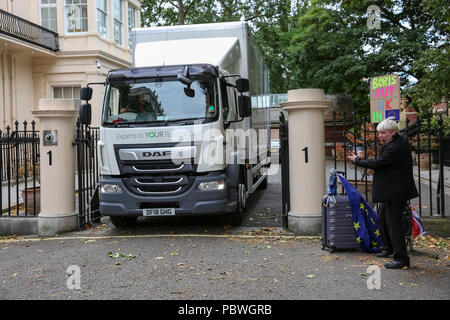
393	186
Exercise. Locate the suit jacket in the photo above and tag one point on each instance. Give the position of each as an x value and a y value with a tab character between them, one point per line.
393	179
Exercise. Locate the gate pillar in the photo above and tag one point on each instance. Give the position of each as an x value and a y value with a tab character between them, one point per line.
57	164
305	109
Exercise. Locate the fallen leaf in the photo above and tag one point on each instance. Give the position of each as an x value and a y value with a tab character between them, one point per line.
113	255
312	275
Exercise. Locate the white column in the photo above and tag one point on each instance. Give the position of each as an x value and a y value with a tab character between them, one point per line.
305	109
58	175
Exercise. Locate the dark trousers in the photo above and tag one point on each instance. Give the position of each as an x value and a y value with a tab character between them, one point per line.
391	222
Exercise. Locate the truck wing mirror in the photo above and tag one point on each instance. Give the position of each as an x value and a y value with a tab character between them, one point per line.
85	114
242	85
86	93
189	92
183	79
245	106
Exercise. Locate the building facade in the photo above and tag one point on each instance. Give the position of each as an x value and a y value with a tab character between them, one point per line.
51	48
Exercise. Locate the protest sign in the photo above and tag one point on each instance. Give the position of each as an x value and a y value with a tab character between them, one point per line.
384	98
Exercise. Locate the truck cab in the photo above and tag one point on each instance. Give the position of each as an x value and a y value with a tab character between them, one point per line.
177	139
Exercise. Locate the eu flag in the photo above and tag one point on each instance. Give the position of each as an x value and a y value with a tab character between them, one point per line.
365	220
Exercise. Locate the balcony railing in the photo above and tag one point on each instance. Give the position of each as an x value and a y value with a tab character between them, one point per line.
24	30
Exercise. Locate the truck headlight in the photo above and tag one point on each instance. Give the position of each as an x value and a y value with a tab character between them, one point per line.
110	188
212	185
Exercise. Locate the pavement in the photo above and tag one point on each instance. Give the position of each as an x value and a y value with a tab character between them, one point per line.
209	266
206	259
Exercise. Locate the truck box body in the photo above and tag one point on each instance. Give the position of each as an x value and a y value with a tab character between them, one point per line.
187	158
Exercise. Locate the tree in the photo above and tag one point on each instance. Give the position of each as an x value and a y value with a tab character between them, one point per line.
325	52
332	48
175	12
327	44
433	86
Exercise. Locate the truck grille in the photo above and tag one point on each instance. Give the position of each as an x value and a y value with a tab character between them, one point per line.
156	167
159	185
155	177
134	160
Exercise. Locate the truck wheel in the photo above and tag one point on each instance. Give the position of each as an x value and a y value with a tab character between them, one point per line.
123	222
237	216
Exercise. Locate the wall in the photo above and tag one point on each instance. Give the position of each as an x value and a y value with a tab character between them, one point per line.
27	73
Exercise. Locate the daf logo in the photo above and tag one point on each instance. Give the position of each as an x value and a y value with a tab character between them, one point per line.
156	154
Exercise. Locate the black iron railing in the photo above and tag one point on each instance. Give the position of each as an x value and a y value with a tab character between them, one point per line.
20	171
87	174
25	30
284	163
360	137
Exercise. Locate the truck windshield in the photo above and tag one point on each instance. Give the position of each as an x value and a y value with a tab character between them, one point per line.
160	100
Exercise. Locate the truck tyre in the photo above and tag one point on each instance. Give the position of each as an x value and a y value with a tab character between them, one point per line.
237	216
123	222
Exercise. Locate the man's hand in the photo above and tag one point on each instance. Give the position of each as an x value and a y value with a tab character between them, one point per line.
352	157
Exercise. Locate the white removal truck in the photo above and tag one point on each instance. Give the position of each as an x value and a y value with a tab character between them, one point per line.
185	131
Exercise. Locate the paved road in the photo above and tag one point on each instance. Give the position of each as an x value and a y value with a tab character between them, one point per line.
206	266
207	259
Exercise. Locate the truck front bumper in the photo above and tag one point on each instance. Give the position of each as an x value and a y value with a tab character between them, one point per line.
192	202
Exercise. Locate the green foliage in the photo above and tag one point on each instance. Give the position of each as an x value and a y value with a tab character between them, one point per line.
327	44
434	125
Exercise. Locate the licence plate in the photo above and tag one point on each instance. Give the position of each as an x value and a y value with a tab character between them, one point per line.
159	212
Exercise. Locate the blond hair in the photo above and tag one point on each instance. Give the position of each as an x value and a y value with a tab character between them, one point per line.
387	124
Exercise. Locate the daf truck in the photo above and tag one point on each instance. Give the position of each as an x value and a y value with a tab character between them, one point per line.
185	131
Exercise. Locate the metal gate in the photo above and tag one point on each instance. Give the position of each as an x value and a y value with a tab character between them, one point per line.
87	175
360	137
19	171
284	163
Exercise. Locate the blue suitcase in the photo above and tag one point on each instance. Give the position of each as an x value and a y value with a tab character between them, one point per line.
337	224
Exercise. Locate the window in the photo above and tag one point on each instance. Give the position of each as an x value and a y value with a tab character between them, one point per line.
118	22
76	15
102	18
131	22
67	92
225	99
163	99
48	14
